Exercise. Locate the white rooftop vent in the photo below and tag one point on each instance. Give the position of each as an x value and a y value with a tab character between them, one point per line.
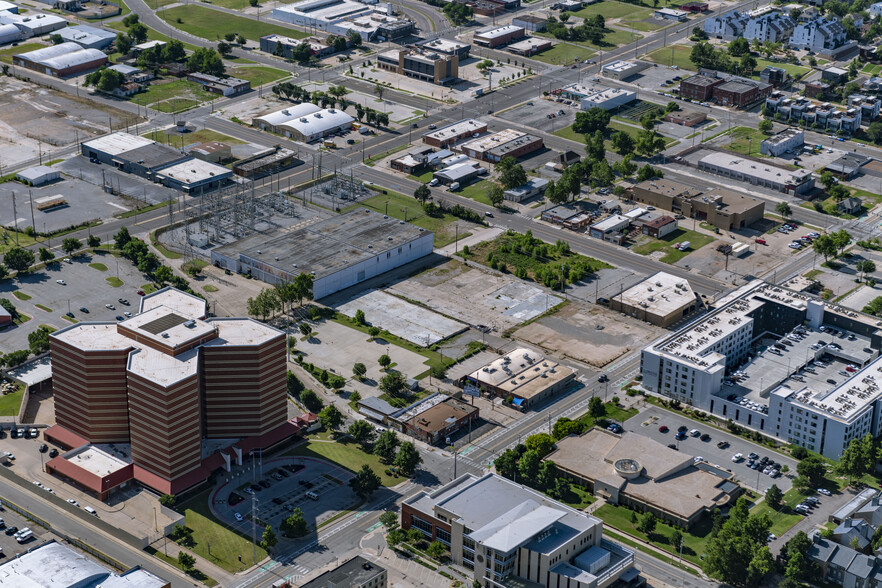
190	324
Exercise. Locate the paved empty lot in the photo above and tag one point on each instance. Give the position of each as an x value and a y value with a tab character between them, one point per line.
648	422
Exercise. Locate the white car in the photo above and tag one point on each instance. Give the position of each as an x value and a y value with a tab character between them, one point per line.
9	455
824	491
73	502
238	516
697	459
62	282
433	182
737	457
772	537
37	483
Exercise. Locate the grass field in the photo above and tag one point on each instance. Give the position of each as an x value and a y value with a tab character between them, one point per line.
226	544
694	541
6	54
744	139
10	404
569	133
666	244
477	191
564	53
610	9
114	281
797	71
680	57
345	454
176	94
394	204
152	35
208	24
258	75
871	69
614	412
583	498
98	266
785	518
209	288
200	136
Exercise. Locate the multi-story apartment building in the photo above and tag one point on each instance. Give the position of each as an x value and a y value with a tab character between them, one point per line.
504	531
774	27
725	364
727	26
819	35
824	116
164	380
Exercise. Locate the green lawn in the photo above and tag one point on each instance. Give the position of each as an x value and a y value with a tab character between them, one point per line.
871	69
98	266
10	404
785	518
21	295
208	24
226	544
175	94
210	288
477	191
674	55
580	499
694	541
797	71
569	133
347	455
6	54
395	204
744	139
666	244
200	136
610	9
114	281
152	35
563	53
614	412
258	75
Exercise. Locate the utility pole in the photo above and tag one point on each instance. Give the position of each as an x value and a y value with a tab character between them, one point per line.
15	221
254	528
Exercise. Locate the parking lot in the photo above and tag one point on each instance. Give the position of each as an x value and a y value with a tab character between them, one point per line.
648	424
13	522
84	287
122	183
277	497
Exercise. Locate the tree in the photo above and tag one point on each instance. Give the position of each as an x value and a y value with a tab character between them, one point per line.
393	384
625	167
93	241
783	208
138	33
305	329
385	361
38	340
295	525
186	561
828	180
825	245
528	466
647	172
365	482
591	120
874	131
513	177
46	255
163	274
649	142
311	401
56	39
359	370
362	432
303	287
774	496
793	555
330	417
122	238
241	40
408	458
865	266
173	51
379	91
541	443
495	195
859	458
739	47
123	43
268	540
206	60
168	500
389	520
547	474
765	126
422	193
18	259
813	469
647	525
435	550
676	539
622	143
386	445
737	553
596	408
564	427
224	48
594	147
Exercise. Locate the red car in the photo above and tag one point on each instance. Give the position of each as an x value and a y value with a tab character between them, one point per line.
760	241
140	292
663	429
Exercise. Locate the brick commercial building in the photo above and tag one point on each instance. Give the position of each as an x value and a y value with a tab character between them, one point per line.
740	94
699	87
686	118
421	64
497	36
62	60
524	375
440	421
507	143
159	384
722	208
454	133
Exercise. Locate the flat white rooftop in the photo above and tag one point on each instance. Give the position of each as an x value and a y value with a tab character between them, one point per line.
163	369
495	33
94	336
242	331
101	460
180	302
194	171
494	140
855	395
523	372
444	45
756	169
117	143
661	294
456	129
167	327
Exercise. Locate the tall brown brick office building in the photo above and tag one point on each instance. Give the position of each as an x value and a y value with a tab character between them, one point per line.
162	382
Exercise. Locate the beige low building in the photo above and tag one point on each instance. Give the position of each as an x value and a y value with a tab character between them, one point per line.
212	151
635	471
525	375
722	208
661	300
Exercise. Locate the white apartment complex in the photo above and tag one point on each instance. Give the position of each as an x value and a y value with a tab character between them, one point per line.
773	360
819	35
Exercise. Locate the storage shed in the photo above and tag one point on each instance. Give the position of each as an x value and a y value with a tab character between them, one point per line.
37	175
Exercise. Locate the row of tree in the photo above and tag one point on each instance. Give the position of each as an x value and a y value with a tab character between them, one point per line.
281	297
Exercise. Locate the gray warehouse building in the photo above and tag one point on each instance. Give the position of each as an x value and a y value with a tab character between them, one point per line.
340	251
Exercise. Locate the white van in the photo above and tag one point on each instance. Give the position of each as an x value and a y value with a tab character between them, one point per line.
24	537
90	510
454	186
312	495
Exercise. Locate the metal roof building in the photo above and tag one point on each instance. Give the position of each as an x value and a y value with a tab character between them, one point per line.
9	33
32	25
272	121
316	125
61	60
88	37
37	175
194	175
339	252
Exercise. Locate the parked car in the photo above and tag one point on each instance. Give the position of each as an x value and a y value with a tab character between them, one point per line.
663	429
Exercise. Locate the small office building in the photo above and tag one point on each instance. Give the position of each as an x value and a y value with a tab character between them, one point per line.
611	228
526	376
453	133
533	187
460	173
789	140
195	176
661	300
497	36
222	86
505	143
87	37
